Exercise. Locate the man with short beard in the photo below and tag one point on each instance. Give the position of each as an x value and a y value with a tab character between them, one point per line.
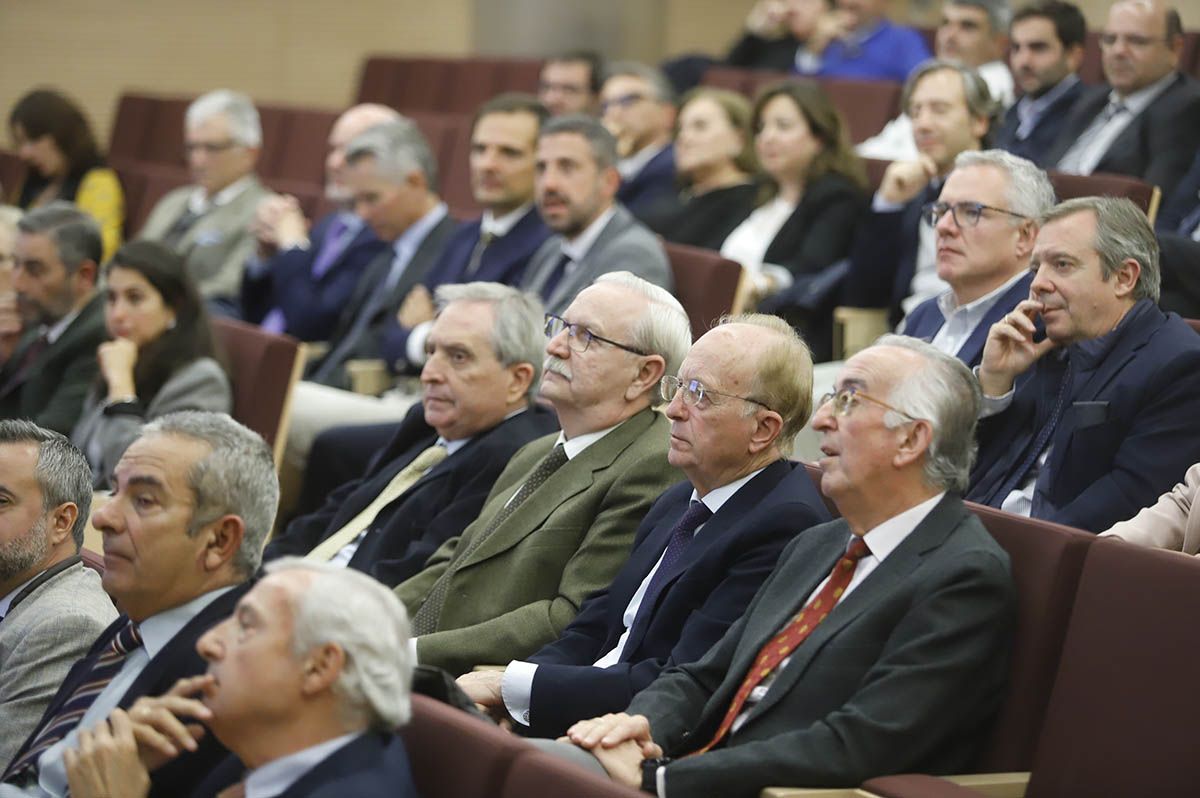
51	606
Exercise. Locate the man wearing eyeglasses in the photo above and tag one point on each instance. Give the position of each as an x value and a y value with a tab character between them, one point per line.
986	222
208	223
1144	122
560	520
575	189
877	644
1091	423
702	551
637	105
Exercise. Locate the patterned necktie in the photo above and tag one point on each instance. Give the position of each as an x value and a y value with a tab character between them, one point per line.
681	538
425	621
333	245
1017	477
176	232
405	478
788	639
28	359
106	666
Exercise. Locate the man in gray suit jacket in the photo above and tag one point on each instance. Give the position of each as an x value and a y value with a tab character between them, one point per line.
878	645
208	223
576	184
51	607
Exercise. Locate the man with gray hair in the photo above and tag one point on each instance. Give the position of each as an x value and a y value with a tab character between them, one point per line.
426	484
986	220
973	33
1090	423
51	606
314	661
193	501
705	547
56	263
888	625
637	105
560	520
893	260
575	189
208	222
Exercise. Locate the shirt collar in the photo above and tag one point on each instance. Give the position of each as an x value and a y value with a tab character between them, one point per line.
278	775
454	446
1137	102
1029	106
577	248
499	226
631	166
883	539
55	330
579	443
715	499
950	307
157	630
410	239
199	201
6	601
1088	354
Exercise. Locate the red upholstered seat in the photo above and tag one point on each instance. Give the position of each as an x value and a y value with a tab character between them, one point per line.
536	773
705	284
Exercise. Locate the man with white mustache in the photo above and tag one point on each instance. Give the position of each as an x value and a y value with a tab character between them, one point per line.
561	518
575	188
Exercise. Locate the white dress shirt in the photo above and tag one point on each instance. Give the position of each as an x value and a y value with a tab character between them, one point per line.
750	240
1088	150
961	320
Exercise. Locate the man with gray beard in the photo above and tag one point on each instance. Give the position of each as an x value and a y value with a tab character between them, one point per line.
51	606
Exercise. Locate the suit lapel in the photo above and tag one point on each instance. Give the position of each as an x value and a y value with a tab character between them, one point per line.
972	349
593	261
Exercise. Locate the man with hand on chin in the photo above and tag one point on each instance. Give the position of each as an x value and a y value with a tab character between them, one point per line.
1088	425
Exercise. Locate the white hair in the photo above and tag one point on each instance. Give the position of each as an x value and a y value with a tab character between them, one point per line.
663	330
369	624
1030	192
244	125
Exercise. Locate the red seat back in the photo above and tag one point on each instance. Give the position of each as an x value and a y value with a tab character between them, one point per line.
705	284
536	773
263	368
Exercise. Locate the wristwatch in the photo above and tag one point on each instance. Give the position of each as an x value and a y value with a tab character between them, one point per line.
650	773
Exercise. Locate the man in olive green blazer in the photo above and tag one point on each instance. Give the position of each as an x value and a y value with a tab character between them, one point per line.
517	575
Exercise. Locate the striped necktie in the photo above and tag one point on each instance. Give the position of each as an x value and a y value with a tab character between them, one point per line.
425	620
106	666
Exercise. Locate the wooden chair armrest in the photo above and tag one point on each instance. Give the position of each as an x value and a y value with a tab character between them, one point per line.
973	785
489	667
855	329
314	350
814	792
368	376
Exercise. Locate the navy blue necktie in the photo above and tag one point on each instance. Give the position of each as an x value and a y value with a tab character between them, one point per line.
560	269
1017	477
681	538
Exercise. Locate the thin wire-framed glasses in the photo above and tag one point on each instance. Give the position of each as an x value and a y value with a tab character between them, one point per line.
695	392
966	214
579	338
845	400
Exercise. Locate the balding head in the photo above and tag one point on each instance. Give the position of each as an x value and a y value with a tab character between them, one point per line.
349	125
1140	44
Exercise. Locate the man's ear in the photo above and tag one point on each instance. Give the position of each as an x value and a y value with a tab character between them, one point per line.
322	668
914	446
649	373
61	522
223	539
1125	279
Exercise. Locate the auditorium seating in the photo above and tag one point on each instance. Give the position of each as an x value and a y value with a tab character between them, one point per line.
427	83
1122	710
705	284
1144	195
12	175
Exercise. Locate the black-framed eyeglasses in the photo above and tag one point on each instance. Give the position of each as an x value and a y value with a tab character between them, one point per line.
624	101
579	338
965	214
695	392
845	400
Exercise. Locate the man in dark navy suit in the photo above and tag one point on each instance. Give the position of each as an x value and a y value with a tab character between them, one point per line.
484	362
194	499
1102	423
307	702
301	280
704	548
986	223
1178	226
494	248
637	105
1045	51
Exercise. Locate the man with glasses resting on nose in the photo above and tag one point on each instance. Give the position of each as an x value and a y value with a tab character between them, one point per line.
878	643
560	519
985	220
706	545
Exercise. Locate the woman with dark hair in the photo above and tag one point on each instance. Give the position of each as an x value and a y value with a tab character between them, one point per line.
714	160
162	356
53	137
805	217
